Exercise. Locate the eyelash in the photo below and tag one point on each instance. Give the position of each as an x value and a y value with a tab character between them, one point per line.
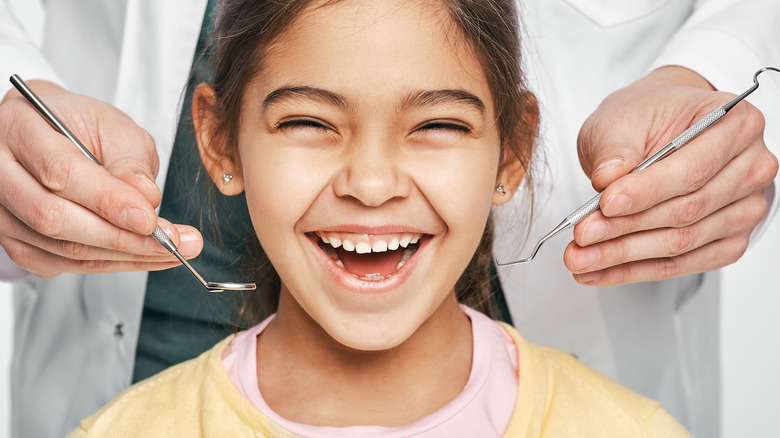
437	125
304	122
434	125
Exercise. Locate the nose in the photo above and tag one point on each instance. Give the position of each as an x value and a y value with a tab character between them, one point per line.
372	173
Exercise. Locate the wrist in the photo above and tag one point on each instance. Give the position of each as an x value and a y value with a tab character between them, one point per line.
675	75
40	87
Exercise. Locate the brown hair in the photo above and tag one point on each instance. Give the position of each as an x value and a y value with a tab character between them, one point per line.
246	30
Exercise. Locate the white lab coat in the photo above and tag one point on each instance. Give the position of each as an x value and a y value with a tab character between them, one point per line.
69	356
75	335
661	338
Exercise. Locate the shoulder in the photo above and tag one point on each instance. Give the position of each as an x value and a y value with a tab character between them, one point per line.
566	397
194	398
165	402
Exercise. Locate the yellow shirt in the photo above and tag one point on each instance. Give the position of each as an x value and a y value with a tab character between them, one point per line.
557	397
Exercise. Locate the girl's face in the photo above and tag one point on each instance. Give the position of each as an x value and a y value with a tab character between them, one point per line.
370	127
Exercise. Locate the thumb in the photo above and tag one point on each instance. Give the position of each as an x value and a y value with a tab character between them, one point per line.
607	154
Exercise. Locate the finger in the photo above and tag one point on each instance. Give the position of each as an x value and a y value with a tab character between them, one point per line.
738	218
609	151
61	168
747	174
130	171
131	157
83	233
686	170
58	219
714	255
47	265
141	248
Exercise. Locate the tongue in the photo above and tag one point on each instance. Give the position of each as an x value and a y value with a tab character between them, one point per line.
371	264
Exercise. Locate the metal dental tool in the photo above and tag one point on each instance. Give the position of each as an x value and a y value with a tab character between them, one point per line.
158	233
681	140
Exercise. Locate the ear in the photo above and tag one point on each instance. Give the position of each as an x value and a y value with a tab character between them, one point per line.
509	178
214	151
512	171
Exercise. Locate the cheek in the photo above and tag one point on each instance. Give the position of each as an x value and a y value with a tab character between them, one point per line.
461	191
280	187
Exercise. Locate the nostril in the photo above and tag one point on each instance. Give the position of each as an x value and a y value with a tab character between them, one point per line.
372	185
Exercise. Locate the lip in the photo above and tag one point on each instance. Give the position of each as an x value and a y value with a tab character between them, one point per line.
362	229
354	284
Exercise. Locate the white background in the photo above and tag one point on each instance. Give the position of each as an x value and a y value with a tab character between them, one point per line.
750	326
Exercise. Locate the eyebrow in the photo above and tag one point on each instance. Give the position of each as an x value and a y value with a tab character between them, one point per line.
443	97
414	99
305	93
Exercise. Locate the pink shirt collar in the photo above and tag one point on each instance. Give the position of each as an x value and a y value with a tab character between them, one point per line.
483	408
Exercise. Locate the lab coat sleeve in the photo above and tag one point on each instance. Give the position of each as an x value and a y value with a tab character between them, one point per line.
10	271
19	54
726	42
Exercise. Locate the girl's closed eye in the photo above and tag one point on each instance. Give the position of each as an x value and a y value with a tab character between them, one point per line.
441	130
305	123
306	130
445	125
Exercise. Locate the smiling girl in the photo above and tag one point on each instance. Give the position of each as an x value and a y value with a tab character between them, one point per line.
372	138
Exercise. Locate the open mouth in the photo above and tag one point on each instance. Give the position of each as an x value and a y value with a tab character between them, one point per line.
369	257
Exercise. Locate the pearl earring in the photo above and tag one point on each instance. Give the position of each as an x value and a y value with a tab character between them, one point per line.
500	189
226	177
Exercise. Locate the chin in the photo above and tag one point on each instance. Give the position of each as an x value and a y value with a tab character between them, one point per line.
372	332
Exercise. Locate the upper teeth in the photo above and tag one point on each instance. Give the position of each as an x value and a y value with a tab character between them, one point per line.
365	243
393	244
380	246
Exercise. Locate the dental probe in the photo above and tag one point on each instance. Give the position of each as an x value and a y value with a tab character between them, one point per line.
681	140
158	234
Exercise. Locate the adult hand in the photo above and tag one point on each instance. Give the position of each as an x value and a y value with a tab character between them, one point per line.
693	211
59	212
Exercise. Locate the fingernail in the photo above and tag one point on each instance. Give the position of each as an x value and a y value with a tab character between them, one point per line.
190	243
590	277
608	165
586	257
136	220
594	231
616	205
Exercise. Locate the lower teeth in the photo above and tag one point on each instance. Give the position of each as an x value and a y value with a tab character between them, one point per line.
376	277
408	253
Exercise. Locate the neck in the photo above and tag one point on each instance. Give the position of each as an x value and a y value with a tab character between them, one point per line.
307	377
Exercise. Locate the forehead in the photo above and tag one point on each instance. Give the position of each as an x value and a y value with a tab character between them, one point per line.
375	43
